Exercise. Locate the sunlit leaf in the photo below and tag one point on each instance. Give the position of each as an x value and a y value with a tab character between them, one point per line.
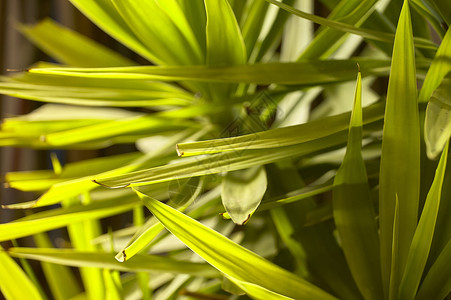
167	34
100	259
231	258
327	39
300	73
256	291
104	14
366	33
14	283
61	279
71	48
56	218
281	136
220	162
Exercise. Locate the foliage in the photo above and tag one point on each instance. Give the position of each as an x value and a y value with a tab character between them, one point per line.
320	198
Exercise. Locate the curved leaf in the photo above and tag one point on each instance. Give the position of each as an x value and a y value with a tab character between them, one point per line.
14	283
441	65
71	48
230	258
70	257
242	192
421	242
437	124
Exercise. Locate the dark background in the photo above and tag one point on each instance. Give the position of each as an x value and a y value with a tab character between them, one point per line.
18	53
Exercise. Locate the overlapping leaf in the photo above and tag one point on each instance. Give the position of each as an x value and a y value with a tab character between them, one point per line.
231	258
14	283
400	159
353	210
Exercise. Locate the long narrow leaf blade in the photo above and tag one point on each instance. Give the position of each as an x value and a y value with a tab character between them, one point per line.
230	258
14	283
437	283
301	73
353	210
421	243
104	15
280	137
70	257
441	65
220	162
366	33
400	160
71	48
48	220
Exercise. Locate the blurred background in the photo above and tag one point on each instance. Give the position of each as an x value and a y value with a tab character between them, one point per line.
17	54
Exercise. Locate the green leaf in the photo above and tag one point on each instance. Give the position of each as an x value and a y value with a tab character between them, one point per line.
400	159
280	137
71	48
242	192
113	288
61	279
230	258
394	268
252	26
256	291
441	65
437	283
167	34
365	33
421	242
267	47
14	284
44	179
149	231
104	14
301	73
353	210
297	195
327	40
221	162
56	218
81	234
444	8
109	129
437	124
225	45
98	259
315	248
83	181
194	11
114	93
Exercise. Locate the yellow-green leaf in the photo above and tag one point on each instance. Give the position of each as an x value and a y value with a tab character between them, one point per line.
353	210
400	159
437	124
421	243
242	192
14	283
230	258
